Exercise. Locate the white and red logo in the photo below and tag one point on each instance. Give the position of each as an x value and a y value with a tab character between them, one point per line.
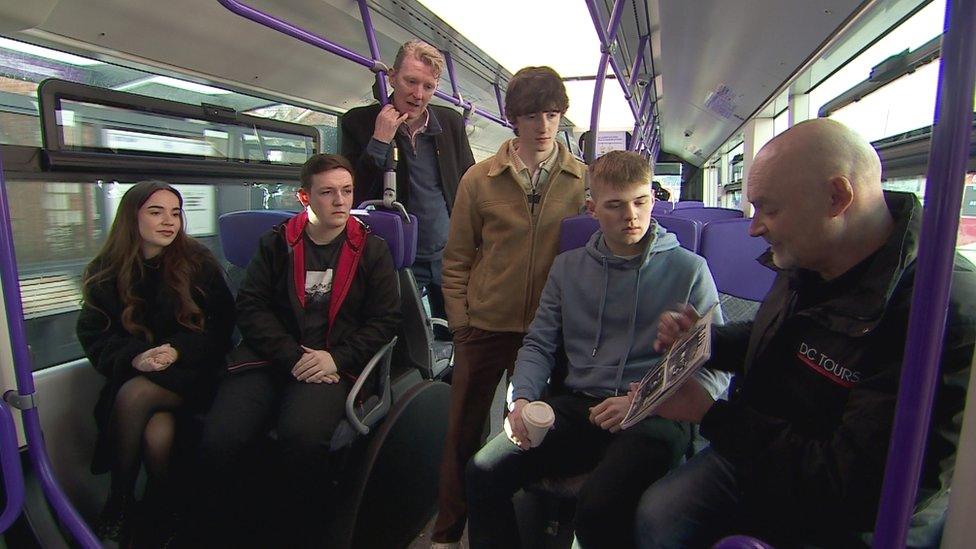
827	367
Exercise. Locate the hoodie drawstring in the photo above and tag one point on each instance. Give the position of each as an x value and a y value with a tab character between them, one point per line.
603	302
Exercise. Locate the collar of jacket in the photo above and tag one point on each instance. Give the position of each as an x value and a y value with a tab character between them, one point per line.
564	162
294	228
859	309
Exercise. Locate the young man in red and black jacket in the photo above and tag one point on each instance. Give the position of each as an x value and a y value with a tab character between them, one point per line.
798	454
320	297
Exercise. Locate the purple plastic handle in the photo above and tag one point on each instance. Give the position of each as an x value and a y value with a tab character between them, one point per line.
741	542
284	27
36	451
948	157
13	477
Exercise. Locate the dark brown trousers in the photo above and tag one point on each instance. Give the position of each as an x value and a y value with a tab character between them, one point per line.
480	359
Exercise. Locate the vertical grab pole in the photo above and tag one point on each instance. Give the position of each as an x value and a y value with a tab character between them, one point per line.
500	99
36	451
948	157
374	52
606	38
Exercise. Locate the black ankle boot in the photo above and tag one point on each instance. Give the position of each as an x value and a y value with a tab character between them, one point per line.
112	523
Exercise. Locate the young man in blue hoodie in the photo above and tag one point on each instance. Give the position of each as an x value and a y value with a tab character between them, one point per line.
600	307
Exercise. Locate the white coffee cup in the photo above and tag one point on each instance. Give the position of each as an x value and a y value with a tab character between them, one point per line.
538	418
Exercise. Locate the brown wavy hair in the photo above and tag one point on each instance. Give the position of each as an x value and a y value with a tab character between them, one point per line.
121	258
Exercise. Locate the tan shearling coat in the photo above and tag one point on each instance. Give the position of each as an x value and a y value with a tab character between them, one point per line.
498	252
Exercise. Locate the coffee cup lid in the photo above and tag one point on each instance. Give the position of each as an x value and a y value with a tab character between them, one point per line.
539	413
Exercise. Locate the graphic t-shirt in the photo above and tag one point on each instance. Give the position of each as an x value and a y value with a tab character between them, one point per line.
320	263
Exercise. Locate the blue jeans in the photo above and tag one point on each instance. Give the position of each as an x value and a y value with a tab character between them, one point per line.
622	464
692	506
428	275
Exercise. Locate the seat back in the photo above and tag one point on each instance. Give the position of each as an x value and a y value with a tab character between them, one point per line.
662	207
707	215
688	204
731	255
575	232
688	231
240	231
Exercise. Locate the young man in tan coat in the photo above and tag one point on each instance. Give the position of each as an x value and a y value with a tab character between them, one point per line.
504	236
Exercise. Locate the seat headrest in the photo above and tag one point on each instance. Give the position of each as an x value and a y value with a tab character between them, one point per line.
400	236
688	204
731	255
240	231
576	231
688	231
707	215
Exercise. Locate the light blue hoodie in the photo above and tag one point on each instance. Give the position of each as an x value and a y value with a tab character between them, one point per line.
604	309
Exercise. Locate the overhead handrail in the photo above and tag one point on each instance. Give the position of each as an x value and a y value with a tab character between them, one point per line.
948	158
36	451
13	477
320	42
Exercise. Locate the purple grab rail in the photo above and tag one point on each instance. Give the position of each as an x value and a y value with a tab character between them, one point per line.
36	451
298	33
740	542
949	155
606	40
374	50
13	477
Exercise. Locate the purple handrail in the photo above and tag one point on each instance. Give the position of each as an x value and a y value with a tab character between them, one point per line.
374	50
606	39
948	157
638	59
13	477
284	27
36	451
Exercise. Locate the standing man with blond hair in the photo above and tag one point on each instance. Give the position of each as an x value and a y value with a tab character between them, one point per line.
504	236
433	155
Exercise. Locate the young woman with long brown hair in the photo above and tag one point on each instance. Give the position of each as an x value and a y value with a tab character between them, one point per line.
156	321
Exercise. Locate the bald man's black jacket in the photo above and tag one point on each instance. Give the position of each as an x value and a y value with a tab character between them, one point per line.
808	429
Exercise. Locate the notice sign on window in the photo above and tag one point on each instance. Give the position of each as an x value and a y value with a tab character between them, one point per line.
199	206
610	141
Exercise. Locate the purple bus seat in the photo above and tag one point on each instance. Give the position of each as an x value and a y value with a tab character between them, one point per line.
688	231
689	204
240	231
576	231
707	215
741	542
730	253
662	207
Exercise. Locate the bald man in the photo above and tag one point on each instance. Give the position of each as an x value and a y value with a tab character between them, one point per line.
798	454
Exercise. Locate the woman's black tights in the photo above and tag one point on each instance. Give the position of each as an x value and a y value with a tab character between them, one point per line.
142	425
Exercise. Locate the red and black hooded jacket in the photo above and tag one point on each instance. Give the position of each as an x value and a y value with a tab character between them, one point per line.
364	308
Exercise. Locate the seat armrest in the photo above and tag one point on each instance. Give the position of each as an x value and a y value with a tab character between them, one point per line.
434	321
382	360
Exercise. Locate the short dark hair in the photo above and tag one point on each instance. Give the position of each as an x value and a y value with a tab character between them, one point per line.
322	162
535	89
618	170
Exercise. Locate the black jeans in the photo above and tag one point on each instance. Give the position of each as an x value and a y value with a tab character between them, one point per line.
305	416
623	465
